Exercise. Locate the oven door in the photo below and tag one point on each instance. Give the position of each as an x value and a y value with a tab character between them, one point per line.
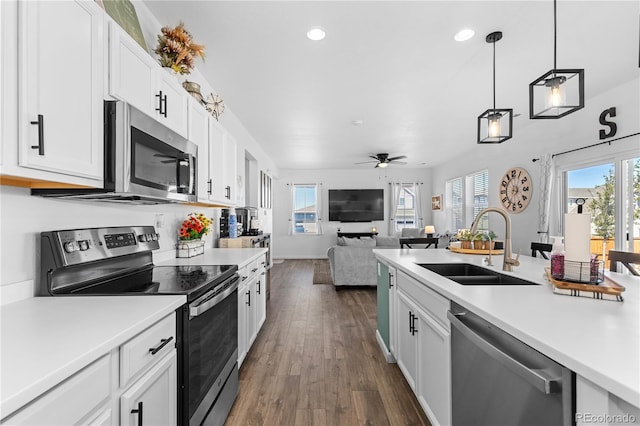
211	348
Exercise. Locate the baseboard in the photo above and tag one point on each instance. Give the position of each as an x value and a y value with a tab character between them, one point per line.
388	356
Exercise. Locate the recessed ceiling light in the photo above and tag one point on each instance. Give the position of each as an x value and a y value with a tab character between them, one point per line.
464	35
316	34
357	122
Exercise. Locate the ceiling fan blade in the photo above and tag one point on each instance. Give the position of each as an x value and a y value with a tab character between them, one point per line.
400	162
366	162
399	157
374	157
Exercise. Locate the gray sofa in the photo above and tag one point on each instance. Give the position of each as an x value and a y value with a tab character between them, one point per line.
352	261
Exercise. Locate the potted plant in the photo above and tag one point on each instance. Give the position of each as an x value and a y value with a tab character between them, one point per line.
487	242
465	237
177	49
190	235
478	243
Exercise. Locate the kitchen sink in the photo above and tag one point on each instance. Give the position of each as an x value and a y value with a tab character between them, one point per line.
467	274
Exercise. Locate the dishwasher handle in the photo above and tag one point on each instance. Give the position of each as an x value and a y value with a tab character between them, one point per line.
537	378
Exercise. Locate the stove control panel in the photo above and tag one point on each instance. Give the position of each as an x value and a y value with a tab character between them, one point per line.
86	245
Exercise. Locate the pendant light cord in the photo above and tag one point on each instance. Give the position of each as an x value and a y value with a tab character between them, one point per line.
555	36
494	76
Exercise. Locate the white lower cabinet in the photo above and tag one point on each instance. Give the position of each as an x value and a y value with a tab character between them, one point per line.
434	384
152	400
252	304
140	374
82	397
407	349
422	347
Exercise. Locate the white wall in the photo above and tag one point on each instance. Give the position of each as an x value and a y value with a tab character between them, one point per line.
534	138
23	217
315	246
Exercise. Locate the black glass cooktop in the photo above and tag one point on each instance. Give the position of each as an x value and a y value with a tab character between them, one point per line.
192	281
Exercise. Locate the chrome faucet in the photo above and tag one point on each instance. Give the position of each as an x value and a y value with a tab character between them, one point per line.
509	262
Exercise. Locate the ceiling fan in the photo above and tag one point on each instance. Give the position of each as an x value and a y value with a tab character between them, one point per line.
383	160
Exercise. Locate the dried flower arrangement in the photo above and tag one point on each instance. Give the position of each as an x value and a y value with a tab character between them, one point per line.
177	49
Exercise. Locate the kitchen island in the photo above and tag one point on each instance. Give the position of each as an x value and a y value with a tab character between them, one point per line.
597	339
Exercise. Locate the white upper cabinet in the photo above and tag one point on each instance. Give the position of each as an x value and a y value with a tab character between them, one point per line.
60	87
136	78
229	152
199	134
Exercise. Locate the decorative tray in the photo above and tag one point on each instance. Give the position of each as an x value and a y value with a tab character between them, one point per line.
606	290
473	251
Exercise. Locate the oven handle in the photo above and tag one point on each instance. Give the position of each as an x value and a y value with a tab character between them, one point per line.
198	308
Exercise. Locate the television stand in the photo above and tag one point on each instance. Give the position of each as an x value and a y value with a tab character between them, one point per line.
356	234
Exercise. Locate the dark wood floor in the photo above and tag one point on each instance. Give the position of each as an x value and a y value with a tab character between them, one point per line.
317	362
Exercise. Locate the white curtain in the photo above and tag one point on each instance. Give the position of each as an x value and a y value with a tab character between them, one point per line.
292	224
394	200
547	171
419	219
319	194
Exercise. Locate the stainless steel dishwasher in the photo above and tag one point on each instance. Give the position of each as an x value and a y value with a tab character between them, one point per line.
498	380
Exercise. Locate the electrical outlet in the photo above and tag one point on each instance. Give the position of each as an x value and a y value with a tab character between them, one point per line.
159	221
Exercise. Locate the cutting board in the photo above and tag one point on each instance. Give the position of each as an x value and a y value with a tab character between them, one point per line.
606	290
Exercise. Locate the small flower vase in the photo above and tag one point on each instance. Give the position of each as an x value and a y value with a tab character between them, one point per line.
189	248
466	244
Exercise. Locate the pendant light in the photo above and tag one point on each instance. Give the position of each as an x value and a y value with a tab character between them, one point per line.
495	125
558	92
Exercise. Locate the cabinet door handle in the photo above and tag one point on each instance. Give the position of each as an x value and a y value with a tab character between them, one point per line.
164	101
163	343
138	411
159	96
410	323
413	325
248	298
254	270
258	290
40	124
390	276
209	185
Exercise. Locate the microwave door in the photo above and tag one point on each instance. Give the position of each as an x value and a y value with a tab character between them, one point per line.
186	173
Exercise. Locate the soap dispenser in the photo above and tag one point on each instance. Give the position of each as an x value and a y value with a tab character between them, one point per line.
557	258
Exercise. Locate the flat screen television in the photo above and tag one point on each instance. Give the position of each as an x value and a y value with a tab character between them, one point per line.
356	205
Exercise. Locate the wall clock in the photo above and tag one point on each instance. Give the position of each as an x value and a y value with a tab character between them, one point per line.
516	188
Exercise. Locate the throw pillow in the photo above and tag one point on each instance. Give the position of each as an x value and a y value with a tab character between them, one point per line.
360	242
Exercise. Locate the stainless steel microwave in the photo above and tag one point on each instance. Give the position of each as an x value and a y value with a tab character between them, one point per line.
145	162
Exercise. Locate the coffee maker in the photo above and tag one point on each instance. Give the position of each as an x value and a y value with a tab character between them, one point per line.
247	216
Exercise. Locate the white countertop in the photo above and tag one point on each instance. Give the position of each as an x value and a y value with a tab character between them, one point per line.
44	340
213	256
597	339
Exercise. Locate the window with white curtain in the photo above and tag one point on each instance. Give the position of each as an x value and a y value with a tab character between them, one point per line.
407	215
305	209
465	196
478	198
454	206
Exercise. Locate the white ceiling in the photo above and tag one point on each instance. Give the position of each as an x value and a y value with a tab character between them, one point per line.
395	66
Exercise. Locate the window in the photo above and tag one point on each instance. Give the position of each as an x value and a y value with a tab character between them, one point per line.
478	198
464	198
454	204
305	209
407	211
612	196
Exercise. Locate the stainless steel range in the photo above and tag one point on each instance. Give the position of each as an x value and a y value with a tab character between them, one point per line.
118	261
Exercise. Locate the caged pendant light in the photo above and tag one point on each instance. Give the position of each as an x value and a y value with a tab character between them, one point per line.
558	92
495	125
